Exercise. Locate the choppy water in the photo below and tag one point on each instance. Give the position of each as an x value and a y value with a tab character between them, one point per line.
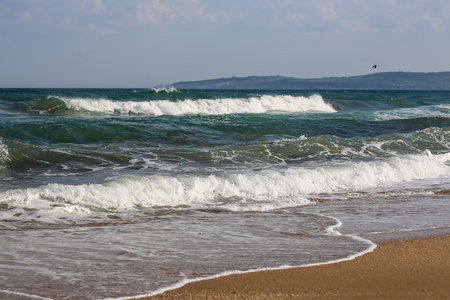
115	193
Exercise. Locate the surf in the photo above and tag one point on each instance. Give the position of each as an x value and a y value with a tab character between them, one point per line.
221	106
250	191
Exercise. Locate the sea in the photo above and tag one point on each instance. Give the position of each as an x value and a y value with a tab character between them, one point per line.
118	193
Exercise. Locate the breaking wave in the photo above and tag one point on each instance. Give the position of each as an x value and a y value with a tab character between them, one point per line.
257	190
263	104
4	159
4	153
440	110
166	90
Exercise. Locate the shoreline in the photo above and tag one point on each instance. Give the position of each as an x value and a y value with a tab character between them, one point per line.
416	268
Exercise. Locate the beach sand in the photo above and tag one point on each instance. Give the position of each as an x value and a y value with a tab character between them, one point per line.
405	269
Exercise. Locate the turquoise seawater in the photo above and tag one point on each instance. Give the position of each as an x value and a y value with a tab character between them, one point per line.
122	192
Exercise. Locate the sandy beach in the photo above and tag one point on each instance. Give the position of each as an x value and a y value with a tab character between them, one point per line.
405	269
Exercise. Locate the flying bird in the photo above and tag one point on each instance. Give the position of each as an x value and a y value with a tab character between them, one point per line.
374	66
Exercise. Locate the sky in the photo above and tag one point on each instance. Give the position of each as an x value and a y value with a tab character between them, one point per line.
144	43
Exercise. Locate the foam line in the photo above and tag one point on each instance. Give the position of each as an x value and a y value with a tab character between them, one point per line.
331	230
25	295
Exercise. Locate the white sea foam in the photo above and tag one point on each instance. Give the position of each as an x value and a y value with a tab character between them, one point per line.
390	144
4	158
4	153
166	89
257	190
263	104
24	295
441	110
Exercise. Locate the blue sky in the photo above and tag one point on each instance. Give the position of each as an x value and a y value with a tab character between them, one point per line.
143	43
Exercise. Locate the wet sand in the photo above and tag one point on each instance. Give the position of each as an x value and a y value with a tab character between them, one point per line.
406	269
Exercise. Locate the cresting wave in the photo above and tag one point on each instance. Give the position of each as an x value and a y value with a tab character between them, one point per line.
4	159
166	90
252	191
391	144
3	152
440	110
263	104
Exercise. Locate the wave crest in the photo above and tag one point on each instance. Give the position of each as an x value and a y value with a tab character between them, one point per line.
263	104
4	153
258	190
166	90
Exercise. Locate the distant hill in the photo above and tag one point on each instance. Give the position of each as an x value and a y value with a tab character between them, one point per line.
375	81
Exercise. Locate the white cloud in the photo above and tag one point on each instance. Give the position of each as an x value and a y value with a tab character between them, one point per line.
297	19
434	23
362	16
327	11
97	6
318	16
159	11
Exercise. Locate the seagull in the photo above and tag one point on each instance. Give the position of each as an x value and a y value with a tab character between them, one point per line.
374	66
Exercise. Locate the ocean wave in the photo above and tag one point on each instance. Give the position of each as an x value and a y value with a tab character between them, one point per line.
263	104
166	90
4	160
329	148
4	153
440	110
48	106
257	190
130	154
